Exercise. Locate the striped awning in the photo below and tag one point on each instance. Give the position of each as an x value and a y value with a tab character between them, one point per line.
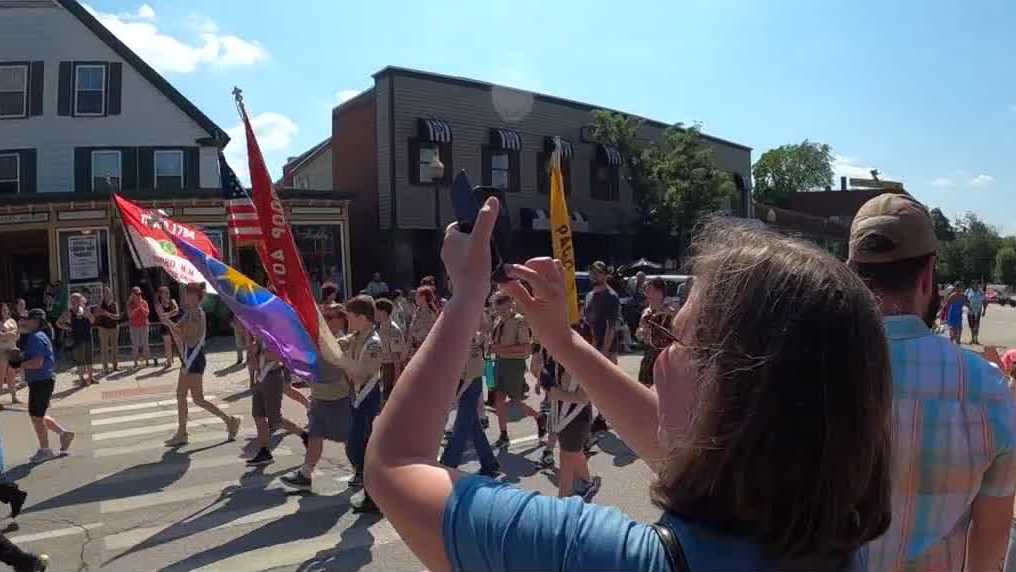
539	219
610	155
567	151
506	139
434	130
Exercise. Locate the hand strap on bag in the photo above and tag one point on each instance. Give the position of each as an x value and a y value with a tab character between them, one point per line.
675	554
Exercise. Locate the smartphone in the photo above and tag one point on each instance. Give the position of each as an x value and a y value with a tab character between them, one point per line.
466	202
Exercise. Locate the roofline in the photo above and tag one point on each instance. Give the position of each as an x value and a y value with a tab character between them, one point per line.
154	195
308	154
145	70
396	70
363	95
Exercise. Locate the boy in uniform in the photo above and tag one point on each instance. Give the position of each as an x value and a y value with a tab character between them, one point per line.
394	347
511	343
266	402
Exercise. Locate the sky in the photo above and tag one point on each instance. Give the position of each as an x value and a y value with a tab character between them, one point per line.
924	91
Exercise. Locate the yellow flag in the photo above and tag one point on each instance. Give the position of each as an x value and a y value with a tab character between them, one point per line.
560	232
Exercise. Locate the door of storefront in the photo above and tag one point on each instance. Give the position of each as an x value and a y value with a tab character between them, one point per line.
84	255
24	266
323	253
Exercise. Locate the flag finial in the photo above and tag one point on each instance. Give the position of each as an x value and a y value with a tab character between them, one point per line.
237	94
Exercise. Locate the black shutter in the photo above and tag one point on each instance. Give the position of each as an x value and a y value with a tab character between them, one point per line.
113	87
485	162
191	168
66	81
83	169
542	175
27	174
515	171
129	168
36	79
146	168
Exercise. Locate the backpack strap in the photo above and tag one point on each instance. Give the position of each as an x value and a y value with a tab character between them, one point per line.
675	554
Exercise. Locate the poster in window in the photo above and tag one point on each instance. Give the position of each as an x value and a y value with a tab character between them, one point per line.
83	257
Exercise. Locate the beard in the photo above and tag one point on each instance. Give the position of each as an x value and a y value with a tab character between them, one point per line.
931	312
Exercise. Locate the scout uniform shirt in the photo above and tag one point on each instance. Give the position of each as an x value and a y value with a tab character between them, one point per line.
512	330
423	321
394	347
363	367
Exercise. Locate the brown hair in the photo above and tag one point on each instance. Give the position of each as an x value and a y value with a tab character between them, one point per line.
892	277
657	284
788	442
384	305
428	281
329	289
361	305
431	298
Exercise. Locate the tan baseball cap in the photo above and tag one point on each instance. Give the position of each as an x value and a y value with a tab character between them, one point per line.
891	227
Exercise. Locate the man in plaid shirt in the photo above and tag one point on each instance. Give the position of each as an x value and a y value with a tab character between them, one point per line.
954	467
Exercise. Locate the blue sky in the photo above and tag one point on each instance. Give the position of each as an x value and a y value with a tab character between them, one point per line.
923	91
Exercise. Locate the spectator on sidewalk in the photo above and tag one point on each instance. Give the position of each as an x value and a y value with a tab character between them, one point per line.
8	346
107	322
137	316
954	433
77	322
377	287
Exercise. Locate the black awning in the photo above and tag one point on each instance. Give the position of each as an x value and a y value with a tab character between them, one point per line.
506	139
434	130
609	154
567	151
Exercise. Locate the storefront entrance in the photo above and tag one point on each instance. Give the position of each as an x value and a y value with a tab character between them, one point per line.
24	266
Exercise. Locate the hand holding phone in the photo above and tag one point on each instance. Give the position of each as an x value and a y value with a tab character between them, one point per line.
466	201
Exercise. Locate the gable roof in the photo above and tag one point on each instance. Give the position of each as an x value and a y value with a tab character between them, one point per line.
146	71
302	158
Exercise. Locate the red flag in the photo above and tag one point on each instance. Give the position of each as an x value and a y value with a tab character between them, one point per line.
282	260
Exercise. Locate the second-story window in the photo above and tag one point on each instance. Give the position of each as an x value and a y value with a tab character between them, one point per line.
500	168
89	89
543	166
301	182
604	174
430	153
501	159
169	170
13	91
107	172
10	173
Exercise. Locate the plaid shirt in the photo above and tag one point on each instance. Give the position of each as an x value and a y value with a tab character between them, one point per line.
953	439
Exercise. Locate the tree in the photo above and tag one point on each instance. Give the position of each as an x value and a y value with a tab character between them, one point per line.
943	228
972	255
622	132
788	169
1005	266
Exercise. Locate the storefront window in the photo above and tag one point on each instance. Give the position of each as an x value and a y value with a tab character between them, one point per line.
322	250
84	261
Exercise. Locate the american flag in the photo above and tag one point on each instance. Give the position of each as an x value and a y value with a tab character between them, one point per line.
243	219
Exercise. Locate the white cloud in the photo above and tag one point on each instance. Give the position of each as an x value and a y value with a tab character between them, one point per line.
943	183
169	54
981	181
274	132
345	95
852	167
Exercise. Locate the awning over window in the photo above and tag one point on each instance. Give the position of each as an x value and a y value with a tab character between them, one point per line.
579	221
609	154
506	139
539	219
567	151
434	130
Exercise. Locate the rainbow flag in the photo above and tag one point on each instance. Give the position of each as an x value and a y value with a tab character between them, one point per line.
560	232
266	315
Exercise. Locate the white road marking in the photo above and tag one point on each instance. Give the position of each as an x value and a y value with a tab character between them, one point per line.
161	428
58	533
169	467
140	416
203	437
137	406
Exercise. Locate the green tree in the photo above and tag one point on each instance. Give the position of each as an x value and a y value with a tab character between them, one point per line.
789	169
943	228
971	256
622	132
1005	266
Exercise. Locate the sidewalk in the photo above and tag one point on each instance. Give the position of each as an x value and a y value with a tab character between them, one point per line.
126	382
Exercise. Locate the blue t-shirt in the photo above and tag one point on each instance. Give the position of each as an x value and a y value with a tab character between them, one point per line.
489	525
954	313
38	344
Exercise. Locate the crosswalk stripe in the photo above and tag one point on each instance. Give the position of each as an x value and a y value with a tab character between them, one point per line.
148	430
194	439
144	405
58	533
141	416
169	467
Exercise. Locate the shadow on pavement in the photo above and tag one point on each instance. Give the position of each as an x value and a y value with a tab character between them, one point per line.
353	550
67	392
157	373
237	396
231	369
516	465
615	447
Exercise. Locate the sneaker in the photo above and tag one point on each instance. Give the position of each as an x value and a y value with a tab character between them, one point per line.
297	480
177	440
491	472
17	502
43	455
547	459
365	505
501	442
541	427
263	458
38	564
232	428
65	441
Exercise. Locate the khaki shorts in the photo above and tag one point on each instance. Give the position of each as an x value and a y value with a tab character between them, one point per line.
510	377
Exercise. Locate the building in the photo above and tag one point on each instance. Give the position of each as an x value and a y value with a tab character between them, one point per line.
310	170
81	117
397	145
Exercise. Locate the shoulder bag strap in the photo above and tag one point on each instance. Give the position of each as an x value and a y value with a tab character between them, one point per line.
675	554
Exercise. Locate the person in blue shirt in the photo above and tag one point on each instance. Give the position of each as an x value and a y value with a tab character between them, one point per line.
768	429
37	361
952	309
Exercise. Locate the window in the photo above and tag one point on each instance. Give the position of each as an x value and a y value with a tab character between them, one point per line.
300	182
501	168
605	181
10	173
430	162
89	89
543	173
169	170
14	91
106	172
